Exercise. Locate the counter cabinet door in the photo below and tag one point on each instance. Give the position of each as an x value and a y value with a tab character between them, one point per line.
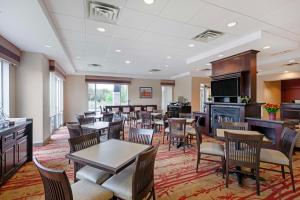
22	150
8	160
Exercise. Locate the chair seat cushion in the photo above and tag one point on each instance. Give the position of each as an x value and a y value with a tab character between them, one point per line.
273	156
86	190
121	183
92	174
212	148
139	121
159	122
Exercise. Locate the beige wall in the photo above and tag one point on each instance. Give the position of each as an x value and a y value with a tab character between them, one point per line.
196	81
183	87
134	92
75	97
32	93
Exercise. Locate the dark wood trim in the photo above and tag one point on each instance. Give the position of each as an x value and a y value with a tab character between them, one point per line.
107	79
9	51
167	82
236	55
55	67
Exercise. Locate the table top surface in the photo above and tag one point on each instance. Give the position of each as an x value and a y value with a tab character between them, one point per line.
96	116
220	133
96	125
112	155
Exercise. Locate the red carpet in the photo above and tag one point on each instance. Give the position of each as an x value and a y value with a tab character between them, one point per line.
175	176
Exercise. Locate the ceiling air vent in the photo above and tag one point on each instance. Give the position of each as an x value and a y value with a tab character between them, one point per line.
154	70
206	69
208	36
95	65
291	64
103	12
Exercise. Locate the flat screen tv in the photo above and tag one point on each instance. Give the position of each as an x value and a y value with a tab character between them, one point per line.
225	88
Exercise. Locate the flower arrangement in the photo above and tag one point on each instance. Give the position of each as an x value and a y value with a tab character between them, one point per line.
271	108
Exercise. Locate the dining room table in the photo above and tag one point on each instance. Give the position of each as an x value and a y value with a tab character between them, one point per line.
111	156
96	126
220	135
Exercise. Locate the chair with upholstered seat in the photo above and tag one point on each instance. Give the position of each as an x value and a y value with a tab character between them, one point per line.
86	172
283	156
141	136
177	132
74	130
243	150
208	148
57	186
146	119
135	182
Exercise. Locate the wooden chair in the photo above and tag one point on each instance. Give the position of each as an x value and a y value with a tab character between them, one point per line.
177	132
114	130
107	117
283	156
89	113
243	151
185	115
146	120
135	182
142	136
85	120
57	186
74	130
137	118
86	172
234	125
208	148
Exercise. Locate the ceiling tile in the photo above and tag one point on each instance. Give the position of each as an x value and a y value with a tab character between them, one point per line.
92	25
127	33
68	22
73	8
140	5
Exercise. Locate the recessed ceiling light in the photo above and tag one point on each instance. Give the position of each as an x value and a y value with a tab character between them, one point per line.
100	29
208	64
48	46
118	50
286	71
291	61
266	47
232	24
77	57
166	65
168	57
149	2
191	45
150	72
127	61
220	55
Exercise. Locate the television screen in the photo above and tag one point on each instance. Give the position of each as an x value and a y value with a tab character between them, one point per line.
225	88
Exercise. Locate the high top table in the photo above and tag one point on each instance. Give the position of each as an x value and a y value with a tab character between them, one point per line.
111	156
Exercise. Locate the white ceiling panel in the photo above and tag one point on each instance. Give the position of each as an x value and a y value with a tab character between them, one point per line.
73	8
68	22
127	33
154	8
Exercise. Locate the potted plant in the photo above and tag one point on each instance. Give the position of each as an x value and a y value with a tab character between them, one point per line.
272	110
245	99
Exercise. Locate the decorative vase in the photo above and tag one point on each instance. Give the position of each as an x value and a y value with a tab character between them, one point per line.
272	116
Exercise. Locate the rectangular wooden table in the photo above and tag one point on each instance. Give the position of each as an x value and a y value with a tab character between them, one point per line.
96	126
111	156
220	134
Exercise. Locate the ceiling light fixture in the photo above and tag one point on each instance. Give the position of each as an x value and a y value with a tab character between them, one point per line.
208	64
291	61
77	57
168	57
266	47
149	2
220	55
100	29
118	50
191	45
286	71
232	24
166	65
127	61
48	46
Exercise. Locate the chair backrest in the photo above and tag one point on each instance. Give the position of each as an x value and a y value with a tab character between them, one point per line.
185	115
198	134
115	109
126	109
143	176
56	183
137	114
87	120
108	117
74	130
114	129
79	117
234	125
90	113
288	141
158	111
149	108
142	136
137	108
177	125
146	117
83	142
243	150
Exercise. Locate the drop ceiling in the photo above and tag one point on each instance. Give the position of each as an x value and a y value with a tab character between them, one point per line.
158	35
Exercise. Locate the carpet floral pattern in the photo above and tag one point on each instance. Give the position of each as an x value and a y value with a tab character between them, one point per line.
175	176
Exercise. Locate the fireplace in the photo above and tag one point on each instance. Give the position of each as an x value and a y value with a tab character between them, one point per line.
220	113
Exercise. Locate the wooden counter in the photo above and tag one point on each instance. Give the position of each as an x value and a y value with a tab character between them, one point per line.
15	148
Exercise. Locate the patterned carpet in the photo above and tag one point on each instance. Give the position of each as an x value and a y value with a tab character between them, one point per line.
175	176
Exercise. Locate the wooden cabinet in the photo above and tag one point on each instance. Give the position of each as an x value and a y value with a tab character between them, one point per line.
15	149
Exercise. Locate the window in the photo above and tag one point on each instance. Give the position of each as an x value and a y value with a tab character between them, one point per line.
4	87
106	94
167	96
204	94
56	101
